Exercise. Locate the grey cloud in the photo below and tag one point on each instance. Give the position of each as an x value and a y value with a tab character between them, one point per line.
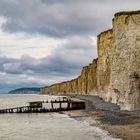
13	68
59	18
64	63
74	20
64	60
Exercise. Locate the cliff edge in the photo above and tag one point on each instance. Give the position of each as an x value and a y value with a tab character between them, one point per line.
115	74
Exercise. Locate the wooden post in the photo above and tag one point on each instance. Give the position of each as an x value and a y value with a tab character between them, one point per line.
68	105
60	104
20	110
52	105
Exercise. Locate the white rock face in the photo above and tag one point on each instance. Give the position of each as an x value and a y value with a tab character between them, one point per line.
125	68
115	75
104	45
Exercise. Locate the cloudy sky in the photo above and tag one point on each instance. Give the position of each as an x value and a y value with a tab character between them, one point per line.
48	41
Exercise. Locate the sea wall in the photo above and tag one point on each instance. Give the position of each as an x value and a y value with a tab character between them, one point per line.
115	74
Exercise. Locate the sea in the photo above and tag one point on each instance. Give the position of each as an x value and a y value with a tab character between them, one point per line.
44	126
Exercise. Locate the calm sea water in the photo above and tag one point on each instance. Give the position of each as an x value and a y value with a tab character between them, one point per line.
43	126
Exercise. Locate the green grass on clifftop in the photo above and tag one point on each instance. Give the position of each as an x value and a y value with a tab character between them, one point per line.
127	13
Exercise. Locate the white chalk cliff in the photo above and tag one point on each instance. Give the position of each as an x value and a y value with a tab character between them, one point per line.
115	74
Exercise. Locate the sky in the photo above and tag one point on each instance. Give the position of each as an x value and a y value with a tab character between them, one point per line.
48	41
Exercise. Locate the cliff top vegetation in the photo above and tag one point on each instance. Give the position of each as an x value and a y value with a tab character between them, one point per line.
127	13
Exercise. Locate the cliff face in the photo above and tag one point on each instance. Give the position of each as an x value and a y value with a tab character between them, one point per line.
125	68
104	45
86	83
115	75
92	77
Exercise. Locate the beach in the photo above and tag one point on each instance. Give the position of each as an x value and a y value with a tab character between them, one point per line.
46	126
107	116
100	120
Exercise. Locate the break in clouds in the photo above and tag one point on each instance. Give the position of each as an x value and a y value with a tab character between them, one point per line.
75	23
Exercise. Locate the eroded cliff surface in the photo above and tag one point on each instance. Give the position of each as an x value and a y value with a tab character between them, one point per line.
125	67
115	75
104	45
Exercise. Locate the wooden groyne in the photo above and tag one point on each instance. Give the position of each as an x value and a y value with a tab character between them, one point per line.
38	106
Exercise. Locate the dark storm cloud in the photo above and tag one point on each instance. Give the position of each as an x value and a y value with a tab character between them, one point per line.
61	18
64	60
52	19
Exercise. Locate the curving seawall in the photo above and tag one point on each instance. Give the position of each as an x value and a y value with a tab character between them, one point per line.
115	74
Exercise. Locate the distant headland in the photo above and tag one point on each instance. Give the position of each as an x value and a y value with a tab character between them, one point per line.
25	90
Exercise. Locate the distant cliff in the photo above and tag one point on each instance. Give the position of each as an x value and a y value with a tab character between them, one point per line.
115	74
25	90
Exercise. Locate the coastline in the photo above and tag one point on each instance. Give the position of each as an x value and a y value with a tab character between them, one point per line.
118	123
106	116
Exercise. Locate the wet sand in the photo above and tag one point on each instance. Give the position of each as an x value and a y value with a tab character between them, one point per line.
119	123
